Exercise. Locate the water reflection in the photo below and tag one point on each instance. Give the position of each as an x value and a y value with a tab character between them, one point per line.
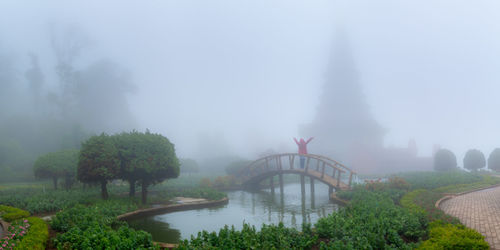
292	208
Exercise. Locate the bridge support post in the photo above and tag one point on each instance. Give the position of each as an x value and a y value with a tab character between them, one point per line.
311	181
330	191
271	180
281	184
302	186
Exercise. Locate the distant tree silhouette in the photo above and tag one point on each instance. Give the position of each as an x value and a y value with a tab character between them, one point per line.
445	160
474	160
494	160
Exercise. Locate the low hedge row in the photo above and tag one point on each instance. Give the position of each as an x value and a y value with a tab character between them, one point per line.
448	236
10	214
37	235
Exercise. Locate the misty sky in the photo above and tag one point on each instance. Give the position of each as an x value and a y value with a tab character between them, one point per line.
250	72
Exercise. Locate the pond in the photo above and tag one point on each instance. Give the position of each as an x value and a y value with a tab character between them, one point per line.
254	208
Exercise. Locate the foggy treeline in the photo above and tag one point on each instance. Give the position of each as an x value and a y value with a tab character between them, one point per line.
56	107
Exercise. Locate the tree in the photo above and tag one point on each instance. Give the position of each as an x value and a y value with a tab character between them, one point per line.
494	160
189	166
474	160
57	165
146	158
99	162
444	160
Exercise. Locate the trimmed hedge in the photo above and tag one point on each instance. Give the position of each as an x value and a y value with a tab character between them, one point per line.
10	214
448	236
37	235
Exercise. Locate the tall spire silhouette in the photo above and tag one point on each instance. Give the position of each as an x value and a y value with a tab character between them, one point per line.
343	125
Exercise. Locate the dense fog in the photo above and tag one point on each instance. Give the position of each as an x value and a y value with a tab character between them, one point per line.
369	80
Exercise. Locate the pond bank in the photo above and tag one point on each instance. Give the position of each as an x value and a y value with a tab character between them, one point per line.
187	205
3	227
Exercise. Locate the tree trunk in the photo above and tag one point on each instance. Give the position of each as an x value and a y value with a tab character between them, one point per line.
104	190
131	193
144	192
55	182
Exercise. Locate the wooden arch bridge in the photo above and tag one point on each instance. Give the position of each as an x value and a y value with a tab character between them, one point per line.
328	171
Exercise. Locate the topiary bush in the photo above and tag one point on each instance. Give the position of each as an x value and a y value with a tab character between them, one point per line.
494	160
474	160
10	214
445	160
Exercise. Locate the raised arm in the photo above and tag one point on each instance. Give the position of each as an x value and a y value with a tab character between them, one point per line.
310	139
295	139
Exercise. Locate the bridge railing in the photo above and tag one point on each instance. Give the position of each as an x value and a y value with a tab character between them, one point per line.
321	164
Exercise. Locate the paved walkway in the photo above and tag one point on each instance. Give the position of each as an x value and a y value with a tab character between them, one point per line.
479	210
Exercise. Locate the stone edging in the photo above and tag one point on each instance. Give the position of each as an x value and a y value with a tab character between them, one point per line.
452	195
171	208
4	226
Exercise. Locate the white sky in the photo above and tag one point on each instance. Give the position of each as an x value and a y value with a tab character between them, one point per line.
252	71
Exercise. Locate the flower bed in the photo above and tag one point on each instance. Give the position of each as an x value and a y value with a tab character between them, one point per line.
28	233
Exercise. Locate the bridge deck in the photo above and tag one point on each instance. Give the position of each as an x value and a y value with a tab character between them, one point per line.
328	180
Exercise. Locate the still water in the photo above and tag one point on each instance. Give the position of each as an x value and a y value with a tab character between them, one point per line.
254	208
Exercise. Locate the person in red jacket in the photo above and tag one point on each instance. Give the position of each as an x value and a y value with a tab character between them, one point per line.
302	149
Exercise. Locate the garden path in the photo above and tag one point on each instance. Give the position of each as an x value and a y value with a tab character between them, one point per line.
479	210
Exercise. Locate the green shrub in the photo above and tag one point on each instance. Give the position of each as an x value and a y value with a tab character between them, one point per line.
448	236
37	236
269	237
371	221
103	237
11	213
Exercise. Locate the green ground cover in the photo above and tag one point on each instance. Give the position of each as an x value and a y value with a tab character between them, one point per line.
41	200
432	180
96	227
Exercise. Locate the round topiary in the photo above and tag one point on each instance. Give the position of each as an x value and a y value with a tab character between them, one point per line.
474	160
494	160
445	160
